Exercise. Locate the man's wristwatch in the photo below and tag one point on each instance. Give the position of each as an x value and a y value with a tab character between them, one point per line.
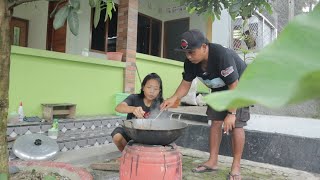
233	113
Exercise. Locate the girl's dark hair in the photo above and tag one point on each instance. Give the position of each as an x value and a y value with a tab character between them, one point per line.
156	77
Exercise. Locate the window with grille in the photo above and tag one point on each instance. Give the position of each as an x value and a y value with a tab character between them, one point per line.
252	34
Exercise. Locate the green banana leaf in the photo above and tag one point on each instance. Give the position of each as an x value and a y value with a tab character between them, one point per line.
285	72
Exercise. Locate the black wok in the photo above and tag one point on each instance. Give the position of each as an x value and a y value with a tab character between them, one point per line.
154	132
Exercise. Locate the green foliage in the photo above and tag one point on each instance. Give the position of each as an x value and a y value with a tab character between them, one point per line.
69	12
213	8
286	72
73	21
92	3
60	17
99	6
3	176
55	9
110	7
97	13
49	178
75	4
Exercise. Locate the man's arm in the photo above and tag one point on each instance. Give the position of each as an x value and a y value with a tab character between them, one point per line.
182	90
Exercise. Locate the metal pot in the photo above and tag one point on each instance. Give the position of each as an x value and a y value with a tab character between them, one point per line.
154	132
35	147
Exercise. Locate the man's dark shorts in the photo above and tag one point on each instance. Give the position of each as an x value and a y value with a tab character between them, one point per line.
121	131
242	116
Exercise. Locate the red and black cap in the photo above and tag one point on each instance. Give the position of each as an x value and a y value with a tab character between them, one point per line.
191	40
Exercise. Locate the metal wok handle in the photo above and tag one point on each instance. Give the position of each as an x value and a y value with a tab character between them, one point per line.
179	115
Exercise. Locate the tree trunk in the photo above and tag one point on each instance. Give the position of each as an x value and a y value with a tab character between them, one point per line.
5	48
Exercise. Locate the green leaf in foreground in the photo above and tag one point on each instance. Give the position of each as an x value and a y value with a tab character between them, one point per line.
49	178
286	72
3	176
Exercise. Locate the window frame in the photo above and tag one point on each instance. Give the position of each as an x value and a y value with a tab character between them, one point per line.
150	34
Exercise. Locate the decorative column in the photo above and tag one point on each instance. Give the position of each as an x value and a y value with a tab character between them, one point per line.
127	40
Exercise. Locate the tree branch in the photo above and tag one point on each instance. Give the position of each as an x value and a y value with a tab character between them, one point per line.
15	3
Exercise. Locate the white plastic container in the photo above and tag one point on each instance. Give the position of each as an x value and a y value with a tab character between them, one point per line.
20	112
53	133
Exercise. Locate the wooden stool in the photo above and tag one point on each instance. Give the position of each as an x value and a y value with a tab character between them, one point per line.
61	110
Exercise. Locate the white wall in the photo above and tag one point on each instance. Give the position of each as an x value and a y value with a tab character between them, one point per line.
151	8
37	14
76	44
172	10
221	30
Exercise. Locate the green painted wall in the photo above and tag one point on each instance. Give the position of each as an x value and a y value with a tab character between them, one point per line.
39	76
170	72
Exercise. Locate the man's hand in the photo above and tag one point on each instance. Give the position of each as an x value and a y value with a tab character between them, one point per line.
230	119
168	103
181	91
138	112
229	123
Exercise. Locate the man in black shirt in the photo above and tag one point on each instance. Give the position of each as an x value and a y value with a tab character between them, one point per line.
219	68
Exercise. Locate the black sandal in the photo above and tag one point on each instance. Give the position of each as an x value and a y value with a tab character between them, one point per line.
233	176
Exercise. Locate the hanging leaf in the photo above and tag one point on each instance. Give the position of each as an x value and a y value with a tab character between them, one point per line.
245	2
55	9
60	17
268	7
110	7
235	7
233	15
191	10
92	3
182	2
217	12
73	22
75	4
225	4
246	11
286	72
97	13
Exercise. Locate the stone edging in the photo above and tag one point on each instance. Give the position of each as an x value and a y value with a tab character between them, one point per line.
63	169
